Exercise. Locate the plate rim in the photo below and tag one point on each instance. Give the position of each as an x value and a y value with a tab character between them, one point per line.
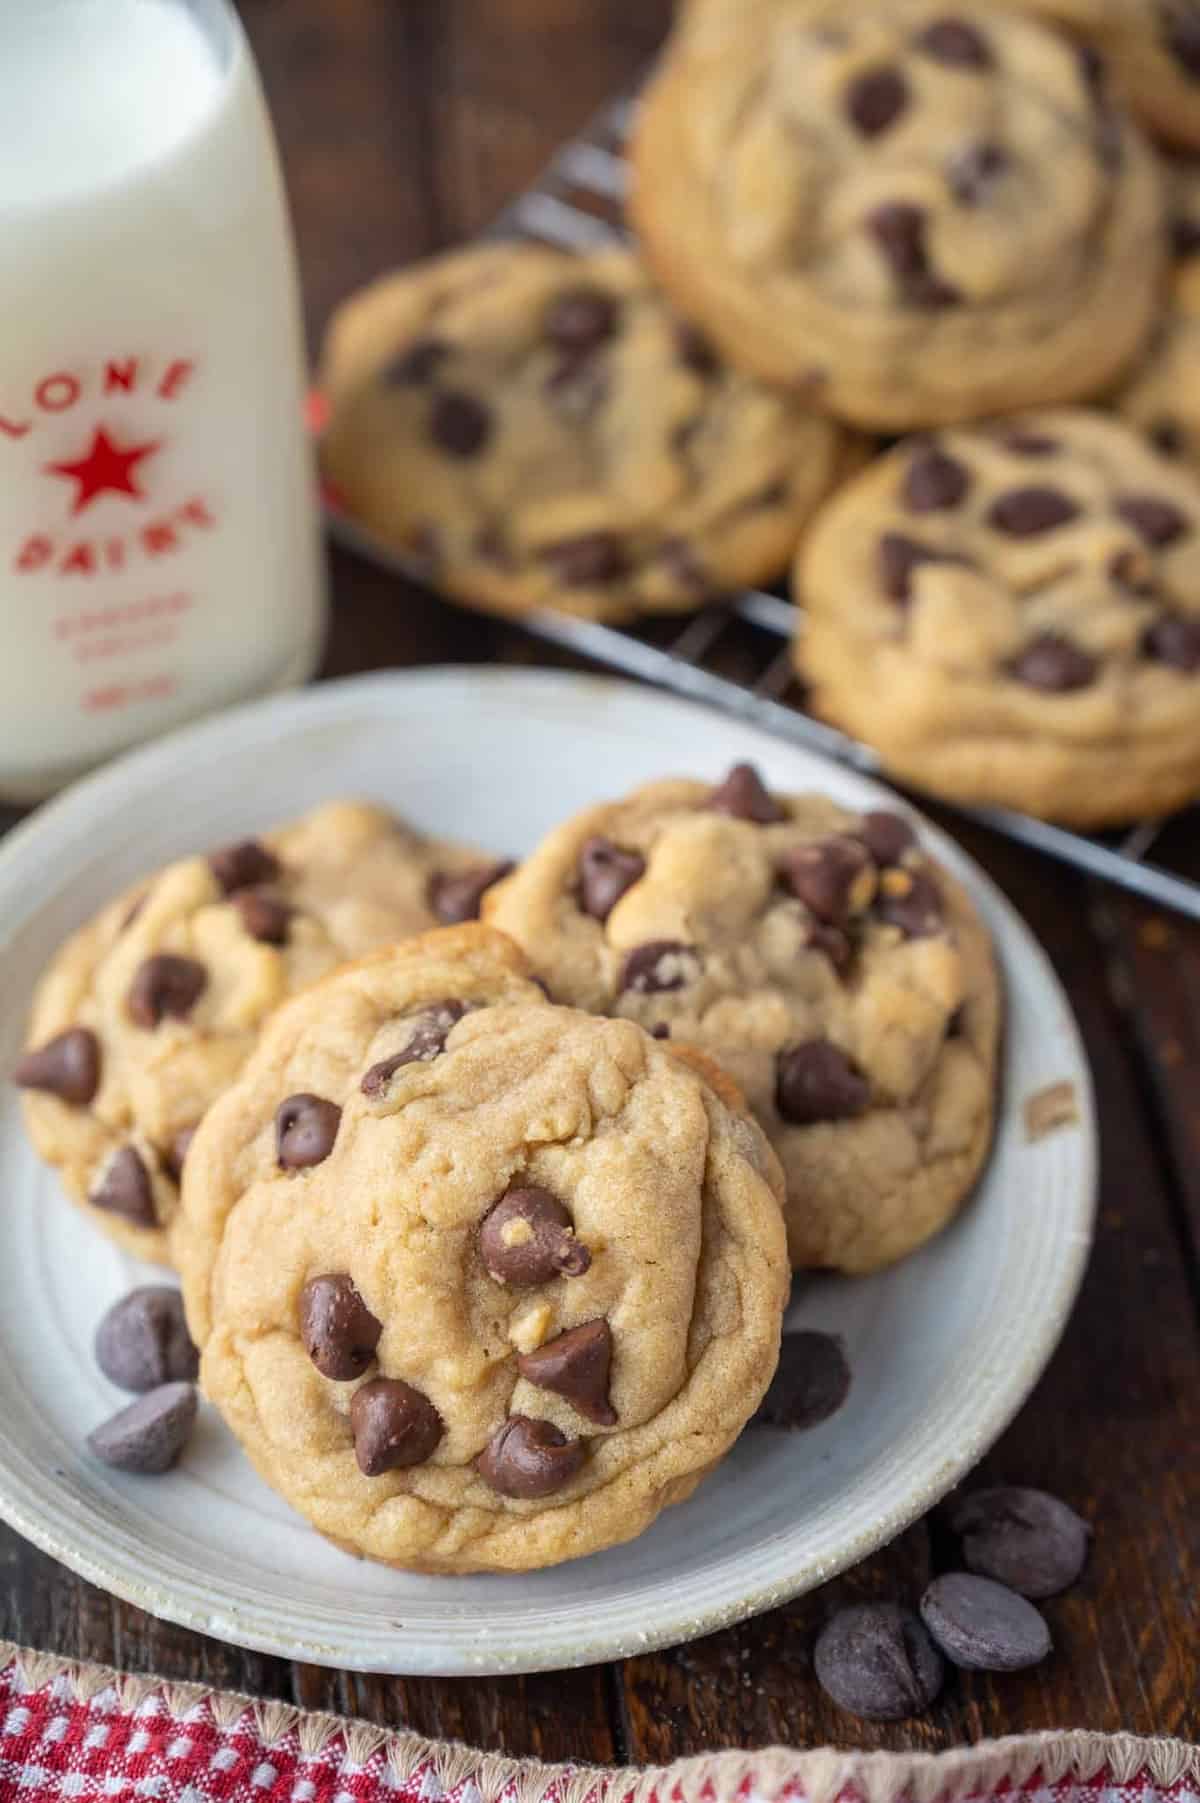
71	810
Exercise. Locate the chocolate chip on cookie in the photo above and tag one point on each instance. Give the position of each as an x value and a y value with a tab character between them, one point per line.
911	901
659	965
459	424
900	230
1175	641
417	364
1158	521
591	558
832	942
456	896
1054	664
695	351
576	1365
306	1127
745	796
243	865
935	481
606	871
528	1237
264	917
974	170
67	1066
957	43
339	1331
899	556
887	836
1181	35
526	1459
1028	512
165	986
833	877
815	1081
394	1426
125	1188
875	99
175	1154
580	319
427	1041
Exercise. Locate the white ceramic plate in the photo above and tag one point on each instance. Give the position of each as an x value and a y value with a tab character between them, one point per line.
943	1349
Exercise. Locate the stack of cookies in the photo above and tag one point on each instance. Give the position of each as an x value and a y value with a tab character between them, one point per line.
940	221
486	1227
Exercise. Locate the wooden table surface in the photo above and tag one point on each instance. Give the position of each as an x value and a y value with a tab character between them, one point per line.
404	125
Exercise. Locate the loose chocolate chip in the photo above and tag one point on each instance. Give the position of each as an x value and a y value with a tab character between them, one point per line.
527	1458
426	1042
459	424
934	482
832	942
975	169
957	43
1175	641
875	99
590	560
811	1382
457	895
576	1365
1026	512
1159	522
580	319
67	1066
877	1661
305	1129
744	795
830	877
528	1237
173	1158
264	917
143	1340
983	1626
1181	34
899	230
887	836
418	364
243	865
1023	1538
165	985
149	1435
606	871
659	965
1053	664
1029	444
695	351
339	1331
394	1426
815	1081
911	901
125	1189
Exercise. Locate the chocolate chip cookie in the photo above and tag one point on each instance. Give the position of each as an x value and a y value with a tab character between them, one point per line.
541	430
1162	393
480	1283
910	211
1010	613
149	1012
841	978
1153	47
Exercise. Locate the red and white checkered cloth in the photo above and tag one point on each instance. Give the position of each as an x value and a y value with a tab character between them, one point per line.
83	1732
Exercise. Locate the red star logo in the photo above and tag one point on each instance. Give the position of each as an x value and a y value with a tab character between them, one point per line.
105	469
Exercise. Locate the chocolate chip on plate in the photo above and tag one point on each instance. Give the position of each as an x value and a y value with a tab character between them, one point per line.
163	986
811	1382
459	424
887	836
528	1237
305	1129
934	481
243	865
339	1331
659	965
815	1081
877	1661
1028	512
876	98
1160	523
1024	1538
67	1066
1054	664
457	895
394	1426
833	877
1175	641
147	1436
982	1625
426	1041
745	796
576	1365
911	901
580	319
527	1458
143	1340
125	1188
264	917
606	871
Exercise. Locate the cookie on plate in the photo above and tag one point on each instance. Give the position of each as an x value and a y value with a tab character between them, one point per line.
1010	613
839	975
911	212
1162	393
479	1283
149	1012
1154	50
541	430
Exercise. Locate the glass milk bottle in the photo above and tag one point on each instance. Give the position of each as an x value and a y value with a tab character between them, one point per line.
159	548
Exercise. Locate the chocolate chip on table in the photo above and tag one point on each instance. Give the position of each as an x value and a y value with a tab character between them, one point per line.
148	1435
1175	641
1028	512
417	364
811	1382
264	917
1158	522
877	1661
695	352
165	985
876	98
982	1625
815	1081
1023	1538
934	481
243	865
125	1188
606	871
1054	664
956	43
305	1129
745	796
339	1331
576	1365
528	1237
427	1041
143	1340
911	901
459	424
527	1458
67	1066
833	877
589	560
580	319
457	895
887	836
975	169
173	1158
899	229
394	1426
657	966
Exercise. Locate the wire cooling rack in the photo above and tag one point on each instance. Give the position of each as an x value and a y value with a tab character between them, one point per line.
576	204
